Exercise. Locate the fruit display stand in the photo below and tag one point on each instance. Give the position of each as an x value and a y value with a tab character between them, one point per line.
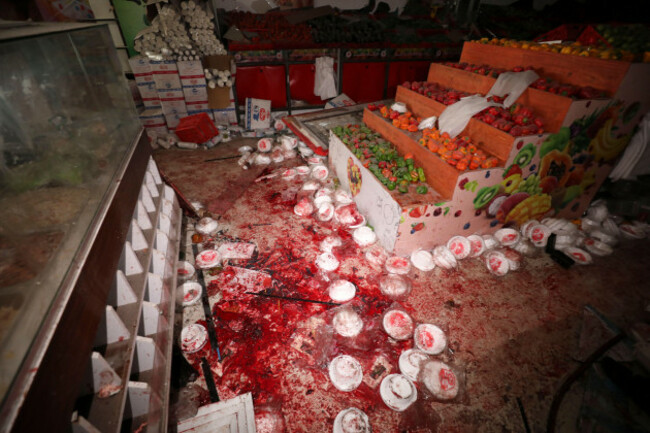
552	174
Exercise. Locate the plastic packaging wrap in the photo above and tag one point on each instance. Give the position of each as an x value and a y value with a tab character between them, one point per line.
456	116
324	83
512	84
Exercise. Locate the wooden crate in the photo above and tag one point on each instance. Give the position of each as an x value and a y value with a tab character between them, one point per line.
441	176
490	139
551	108
601	74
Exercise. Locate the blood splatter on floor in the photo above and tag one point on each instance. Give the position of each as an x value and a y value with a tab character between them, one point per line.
513	337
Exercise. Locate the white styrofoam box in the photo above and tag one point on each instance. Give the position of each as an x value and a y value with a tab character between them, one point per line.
193	81
188	68
140	65
148	90
144	78
170	94
167	81
258	113
163	66
173	119
173	107
152	117
156	131
198	105
135	93
151	103
226	116
195	93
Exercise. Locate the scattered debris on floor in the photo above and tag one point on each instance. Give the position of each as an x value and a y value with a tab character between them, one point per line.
275	306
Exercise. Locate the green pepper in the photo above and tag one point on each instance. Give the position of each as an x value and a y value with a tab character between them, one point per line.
391	185
421	174
403	189
421	189
401	162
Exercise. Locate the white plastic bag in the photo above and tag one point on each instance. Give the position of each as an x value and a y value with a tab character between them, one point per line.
324	84
512	84
456	116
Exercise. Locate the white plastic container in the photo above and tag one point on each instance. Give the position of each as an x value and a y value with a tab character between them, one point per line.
345	373
398	392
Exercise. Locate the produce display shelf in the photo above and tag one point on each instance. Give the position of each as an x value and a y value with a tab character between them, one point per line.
601	74
492	140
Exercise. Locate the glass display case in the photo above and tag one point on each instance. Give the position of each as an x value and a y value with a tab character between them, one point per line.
67	126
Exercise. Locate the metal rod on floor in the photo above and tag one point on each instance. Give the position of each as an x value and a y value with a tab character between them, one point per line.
209	381
223	158
523	415
289	298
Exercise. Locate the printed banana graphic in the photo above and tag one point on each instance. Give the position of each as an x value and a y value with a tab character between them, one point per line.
604	146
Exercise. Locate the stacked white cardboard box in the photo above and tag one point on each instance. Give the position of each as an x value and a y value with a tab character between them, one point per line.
171	90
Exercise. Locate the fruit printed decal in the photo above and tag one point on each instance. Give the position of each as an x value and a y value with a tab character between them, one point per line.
354	177
568	161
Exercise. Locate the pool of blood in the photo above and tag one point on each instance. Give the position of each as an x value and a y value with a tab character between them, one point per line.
273	347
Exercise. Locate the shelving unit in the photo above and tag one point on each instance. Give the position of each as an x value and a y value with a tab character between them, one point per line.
128	376
565	165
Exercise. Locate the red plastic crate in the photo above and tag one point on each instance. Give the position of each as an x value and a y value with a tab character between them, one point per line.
197	128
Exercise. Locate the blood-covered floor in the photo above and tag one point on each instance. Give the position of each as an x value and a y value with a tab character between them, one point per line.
514	338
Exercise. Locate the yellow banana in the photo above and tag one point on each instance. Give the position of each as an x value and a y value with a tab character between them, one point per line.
604	146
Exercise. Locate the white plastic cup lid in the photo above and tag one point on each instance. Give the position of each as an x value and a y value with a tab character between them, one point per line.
289	174
325	212
347	323
398	392
303	170
429	338
185	270
539	234
351	420
507	237
264	145
376	255
398	324
364	236
330	242
192	292
422	260
497	263
303	208
398	265
410	362
490	242
208	259
444	258
193	338
327	262
345	373
320	172
460	247
439	379
342	290
394	286
206	226
477	245
579	255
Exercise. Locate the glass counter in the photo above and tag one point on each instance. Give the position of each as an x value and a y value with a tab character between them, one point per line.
67	124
